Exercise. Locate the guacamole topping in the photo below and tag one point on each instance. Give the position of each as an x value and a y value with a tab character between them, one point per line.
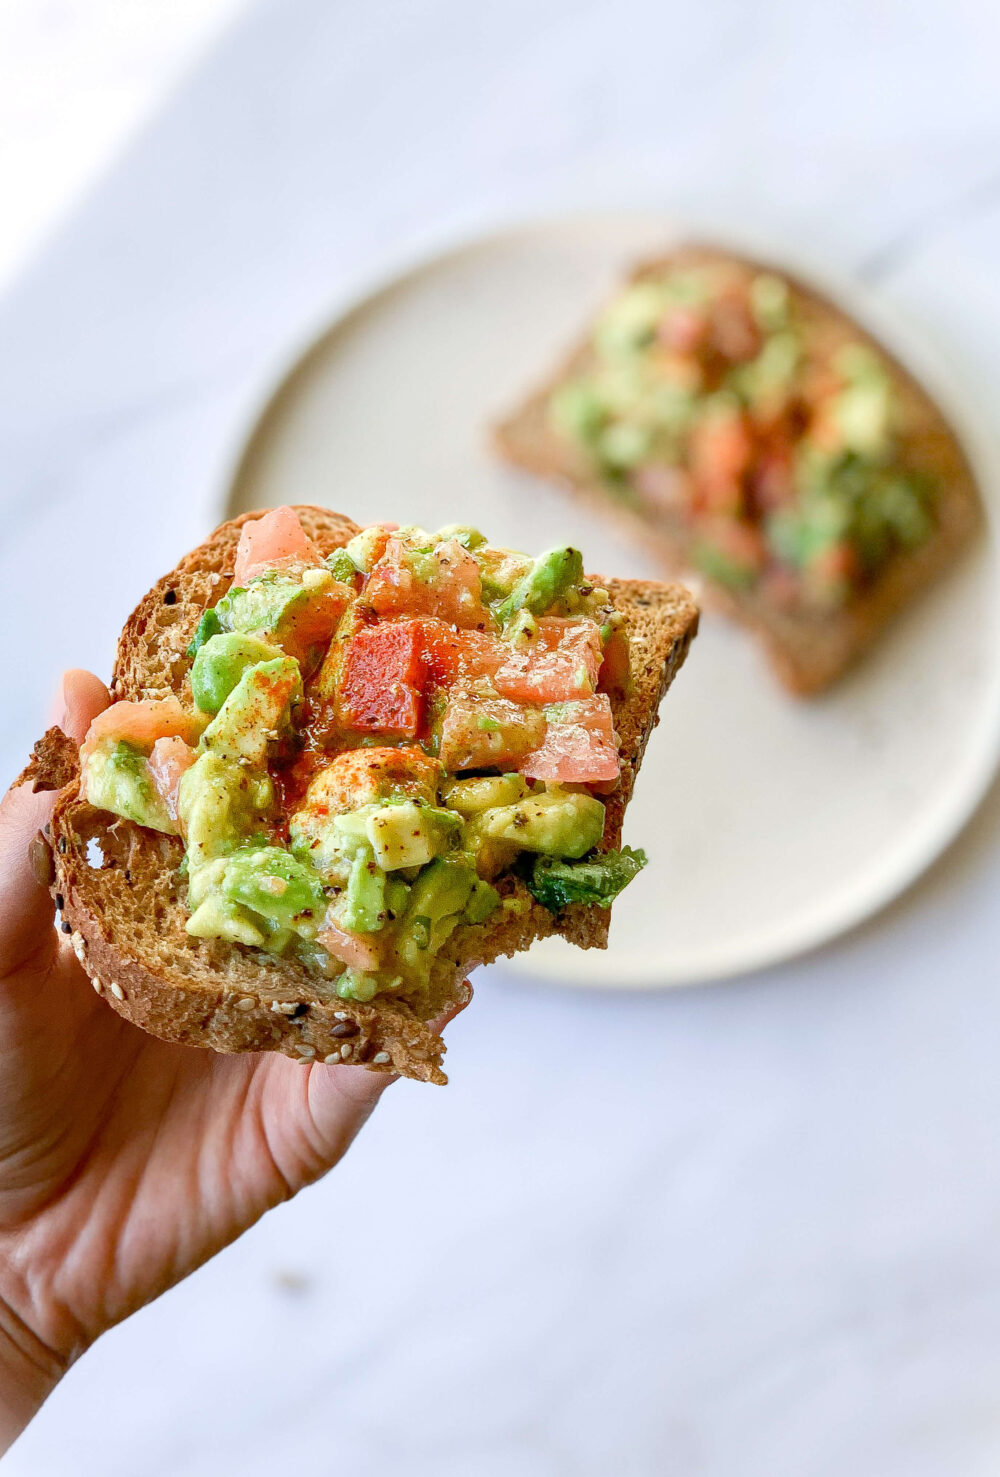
374	742
709	404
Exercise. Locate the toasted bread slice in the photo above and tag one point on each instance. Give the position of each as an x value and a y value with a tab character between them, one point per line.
808	650
124	903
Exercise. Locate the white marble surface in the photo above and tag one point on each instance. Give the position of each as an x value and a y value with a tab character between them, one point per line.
76	78
750	1229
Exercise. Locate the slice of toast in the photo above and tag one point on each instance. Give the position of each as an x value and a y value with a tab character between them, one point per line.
808	650
124	903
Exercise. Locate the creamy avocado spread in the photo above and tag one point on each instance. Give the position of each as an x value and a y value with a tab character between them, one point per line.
374	742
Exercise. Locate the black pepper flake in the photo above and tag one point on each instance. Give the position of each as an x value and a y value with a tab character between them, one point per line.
66	927
170	598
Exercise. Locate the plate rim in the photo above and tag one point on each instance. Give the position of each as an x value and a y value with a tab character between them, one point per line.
930	364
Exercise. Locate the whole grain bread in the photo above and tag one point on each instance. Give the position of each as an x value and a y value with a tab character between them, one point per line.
808	650
124	901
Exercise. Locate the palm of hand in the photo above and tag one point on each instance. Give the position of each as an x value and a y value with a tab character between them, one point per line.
126	1162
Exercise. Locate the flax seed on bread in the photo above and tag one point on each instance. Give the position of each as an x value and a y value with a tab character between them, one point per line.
124	902
808	650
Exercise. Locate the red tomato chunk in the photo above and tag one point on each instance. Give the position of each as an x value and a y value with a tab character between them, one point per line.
275	541
381	687
444	582
580	746
483	732
450	655
562	661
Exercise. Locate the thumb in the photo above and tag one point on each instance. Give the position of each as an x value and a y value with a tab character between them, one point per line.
25	905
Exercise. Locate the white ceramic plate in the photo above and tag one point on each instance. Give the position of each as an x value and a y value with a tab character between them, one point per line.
771	825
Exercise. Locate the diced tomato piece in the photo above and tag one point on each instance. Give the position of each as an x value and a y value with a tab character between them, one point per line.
562	661
274	541
382	679
580	747
450	655
720	447
485	732
444	582
168	763
683	329
616	668
142	723
356	950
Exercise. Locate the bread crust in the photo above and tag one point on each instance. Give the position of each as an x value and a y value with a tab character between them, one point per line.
808	651
123	900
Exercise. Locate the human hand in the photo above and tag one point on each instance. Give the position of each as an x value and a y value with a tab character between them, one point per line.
125	1162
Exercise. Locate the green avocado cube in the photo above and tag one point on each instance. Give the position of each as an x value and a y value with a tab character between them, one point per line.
409	835
551	577
256	712
220	804
117	778
220	663
562	824
269	881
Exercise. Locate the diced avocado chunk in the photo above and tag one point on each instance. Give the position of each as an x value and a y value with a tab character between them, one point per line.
408	834
438	899
624	445
269	881
552	576
268	605
117	778
578	411
863	412
207	627
218	918
598	880
442	888
469	537
500	570
629	323
770	301
221	662
483	902
363	909
558	823
256	711
341	566
469	797
220	804
353	985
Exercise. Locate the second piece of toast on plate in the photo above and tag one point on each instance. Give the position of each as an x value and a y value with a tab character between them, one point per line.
750	431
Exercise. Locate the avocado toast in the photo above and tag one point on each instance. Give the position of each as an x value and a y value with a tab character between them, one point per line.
344	766
747	430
